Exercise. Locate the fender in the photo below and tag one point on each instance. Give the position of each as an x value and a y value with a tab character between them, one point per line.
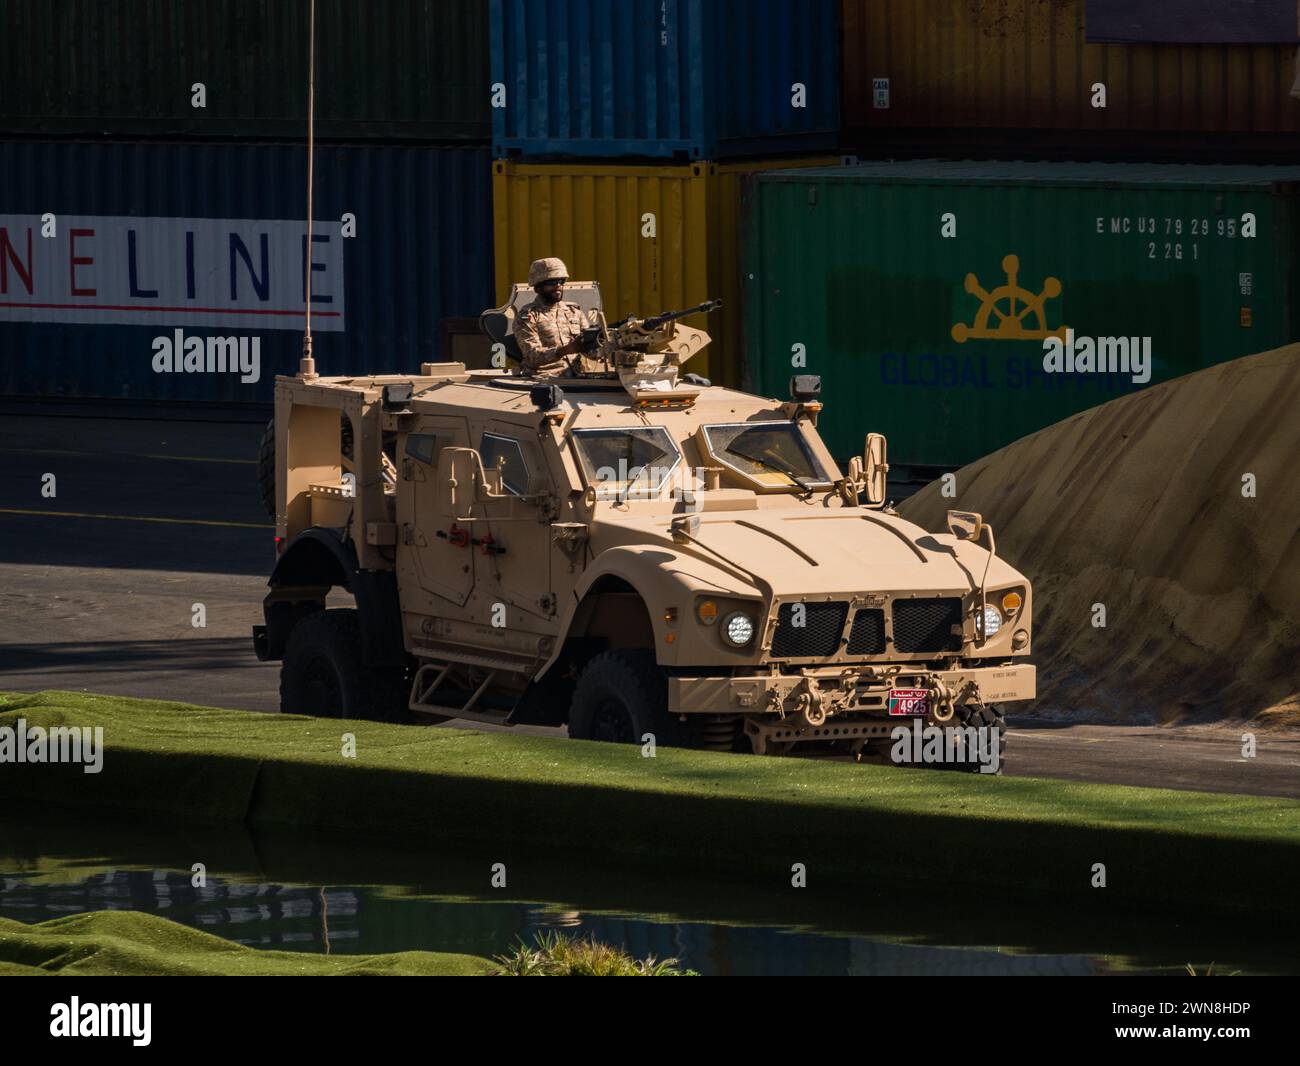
314	562
647	569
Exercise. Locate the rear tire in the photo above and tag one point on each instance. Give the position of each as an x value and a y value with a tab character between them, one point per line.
621	696
322	673
266	468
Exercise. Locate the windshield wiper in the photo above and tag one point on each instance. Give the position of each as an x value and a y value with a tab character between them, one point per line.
630	484
780	468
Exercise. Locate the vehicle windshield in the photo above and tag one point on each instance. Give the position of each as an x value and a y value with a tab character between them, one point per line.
635	461
770	453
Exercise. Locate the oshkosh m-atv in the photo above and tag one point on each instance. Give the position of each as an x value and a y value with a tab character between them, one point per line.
625	550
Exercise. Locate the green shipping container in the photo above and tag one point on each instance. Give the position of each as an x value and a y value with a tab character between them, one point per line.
399	69
925	293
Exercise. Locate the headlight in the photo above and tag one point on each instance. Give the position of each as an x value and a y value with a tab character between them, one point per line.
991	622
737	629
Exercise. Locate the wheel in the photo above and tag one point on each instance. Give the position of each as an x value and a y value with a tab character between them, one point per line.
266	468
322	673
621	696
985	716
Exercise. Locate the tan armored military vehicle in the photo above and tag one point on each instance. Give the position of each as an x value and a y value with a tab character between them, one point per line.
627	550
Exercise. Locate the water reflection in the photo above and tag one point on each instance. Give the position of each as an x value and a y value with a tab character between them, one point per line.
303	892
354	920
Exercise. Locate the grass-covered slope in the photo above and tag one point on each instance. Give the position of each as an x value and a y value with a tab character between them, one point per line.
744	817
128	943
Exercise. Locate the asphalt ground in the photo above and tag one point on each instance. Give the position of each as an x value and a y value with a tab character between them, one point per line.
99	582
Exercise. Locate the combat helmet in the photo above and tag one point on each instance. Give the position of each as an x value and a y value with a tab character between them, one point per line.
545	269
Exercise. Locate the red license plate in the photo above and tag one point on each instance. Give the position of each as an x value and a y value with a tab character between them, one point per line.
909	702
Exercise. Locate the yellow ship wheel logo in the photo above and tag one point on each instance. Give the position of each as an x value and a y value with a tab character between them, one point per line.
1010	303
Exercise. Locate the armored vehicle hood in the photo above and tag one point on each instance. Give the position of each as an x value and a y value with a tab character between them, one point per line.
816	550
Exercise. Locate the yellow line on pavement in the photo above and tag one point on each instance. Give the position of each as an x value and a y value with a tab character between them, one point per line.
139	518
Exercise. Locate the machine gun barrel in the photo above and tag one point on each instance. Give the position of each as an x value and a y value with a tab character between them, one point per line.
672	316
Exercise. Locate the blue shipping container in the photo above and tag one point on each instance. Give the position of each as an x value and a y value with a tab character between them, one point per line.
690	79
114	255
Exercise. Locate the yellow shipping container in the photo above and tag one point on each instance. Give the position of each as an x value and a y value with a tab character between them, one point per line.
657	238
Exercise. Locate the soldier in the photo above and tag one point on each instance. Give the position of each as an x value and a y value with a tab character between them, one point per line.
549	329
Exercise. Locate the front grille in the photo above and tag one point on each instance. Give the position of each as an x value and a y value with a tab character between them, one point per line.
819	635
927	625
867	636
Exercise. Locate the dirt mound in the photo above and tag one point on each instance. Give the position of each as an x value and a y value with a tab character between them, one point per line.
1141	505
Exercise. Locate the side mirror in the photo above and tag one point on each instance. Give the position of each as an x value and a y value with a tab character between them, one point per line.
462	482
875	466
965	525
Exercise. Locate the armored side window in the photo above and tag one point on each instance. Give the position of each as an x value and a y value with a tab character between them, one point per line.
424	446
505	453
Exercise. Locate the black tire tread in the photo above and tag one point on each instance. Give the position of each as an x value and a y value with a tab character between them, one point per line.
266	468
634	674
370	693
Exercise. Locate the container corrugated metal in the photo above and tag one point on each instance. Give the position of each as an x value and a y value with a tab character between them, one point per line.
914	333
209	239
401	69
665	79
1026	65
595	219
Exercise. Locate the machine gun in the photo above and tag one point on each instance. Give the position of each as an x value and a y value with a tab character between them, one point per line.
638	331
631	340
672	316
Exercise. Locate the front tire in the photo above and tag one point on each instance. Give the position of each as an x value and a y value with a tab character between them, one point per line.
621	696
984	716
322	673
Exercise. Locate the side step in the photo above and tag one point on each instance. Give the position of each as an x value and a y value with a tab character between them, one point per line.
424	689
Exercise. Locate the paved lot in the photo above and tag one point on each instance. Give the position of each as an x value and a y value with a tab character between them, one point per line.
98	586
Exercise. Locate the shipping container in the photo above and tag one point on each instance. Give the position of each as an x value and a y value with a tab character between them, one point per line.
401	69
655	237
108	250
1192	21
926	293
664	79
1022	73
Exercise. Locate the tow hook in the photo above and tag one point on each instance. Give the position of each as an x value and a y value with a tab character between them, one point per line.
942	705
808	702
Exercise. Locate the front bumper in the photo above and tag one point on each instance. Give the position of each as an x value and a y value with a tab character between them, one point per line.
818	695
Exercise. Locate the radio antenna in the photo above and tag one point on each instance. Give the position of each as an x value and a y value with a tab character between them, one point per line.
307	365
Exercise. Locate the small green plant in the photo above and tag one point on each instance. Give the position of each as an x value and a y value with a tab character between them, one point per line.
556	955
1209	971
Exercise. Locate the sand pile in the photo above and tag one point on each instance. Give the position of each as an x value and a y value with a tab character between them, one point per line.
1138	505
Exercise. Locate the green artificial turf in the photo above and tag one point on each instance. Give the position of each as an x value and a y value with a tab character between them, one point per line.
741	816
129	943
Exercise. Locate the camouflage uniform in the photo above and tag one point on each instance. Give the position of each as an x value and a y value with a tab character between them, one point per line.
543	327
